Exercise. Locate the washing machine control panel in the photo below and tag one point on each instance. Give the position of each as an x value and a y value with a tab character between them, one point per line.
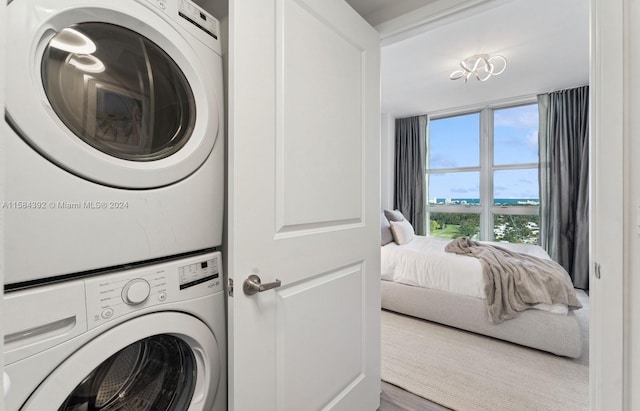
115	295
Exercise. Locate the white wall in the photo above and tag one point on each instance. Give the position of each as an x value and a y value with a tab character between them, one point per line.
387	137
633	216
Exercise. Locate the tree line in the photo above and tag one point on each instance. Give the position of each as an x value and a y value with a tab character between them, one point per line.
511	228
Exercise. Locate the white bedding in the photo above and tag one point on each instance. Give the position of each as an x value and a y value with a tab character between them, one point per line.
423	262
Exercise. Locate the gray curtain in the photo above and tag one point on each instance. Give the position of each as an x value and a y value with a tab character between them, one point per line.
410	170
564	172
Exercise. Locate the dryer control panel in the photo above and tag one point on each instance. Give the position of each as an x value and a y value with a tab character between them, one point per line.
193	18
195	14
114	295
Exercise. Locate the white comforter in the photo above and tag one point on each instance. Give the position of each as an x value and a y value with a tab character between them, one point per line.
423	262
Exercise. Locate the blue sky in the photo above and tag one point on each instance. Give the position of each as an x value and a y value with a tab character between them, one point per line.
455	142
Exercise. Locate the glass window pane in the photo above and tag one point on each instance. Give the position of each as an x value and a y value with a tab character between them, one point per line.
515	135
454	225
454	142
516	228
516	188
461	188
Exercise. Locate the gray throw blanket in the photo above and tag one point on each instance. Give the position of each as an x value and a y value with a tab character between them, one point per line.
514	281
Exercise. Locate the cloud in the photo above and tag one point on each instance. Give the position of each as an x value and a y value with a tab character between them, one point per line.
498	191
532	140
520	145
437	160
519	117
460	190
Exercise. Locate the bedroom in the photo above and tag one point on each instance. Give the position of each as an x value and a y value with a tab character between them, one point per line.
481	157
414	99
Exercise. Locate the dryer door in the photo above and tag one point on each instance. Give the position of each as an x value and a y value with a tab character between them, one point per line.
118	91
162	361
119	100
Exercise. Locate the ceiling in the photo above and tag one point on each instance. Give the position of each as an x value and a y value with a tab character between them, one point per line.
379	11
546	43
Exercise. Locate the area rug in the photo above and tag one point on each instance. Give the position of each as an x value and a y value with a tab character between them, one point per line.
468	372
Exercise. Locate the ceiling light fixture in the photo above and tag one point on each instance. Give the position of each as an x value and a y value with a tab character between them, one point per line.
482	66
72	41
86	63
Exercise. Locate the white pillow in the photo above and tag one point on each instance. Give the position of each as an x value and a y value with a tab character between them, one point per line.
402	231
394	215
385	234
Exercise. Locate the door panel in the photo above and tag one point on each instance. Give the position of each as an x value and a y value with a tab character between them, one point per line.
320	118
305	321
304	195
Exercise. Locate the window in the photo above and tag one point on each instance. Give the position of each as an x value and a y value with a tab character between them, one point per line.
482	175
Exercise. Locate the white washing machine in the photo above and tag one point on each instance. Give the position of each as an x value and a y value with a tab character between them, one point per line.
116	150
151	338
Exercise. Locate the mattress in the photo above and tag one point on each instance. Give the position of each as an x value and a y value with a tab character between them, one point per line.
420	279
423	262
542	330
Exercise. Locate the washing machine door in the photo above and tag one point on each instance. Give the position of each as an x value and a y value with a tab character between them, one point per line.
157	362
118	93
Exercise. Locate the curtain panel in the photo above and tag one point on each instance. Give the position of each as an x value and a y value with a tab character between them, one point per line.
409	181
564	180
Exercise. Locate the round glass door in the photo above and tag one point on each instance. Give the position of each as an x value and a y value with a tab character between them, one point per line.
118	91
157	373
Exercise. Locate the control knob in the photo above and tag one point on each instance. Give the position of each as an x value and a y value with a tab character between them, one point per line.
136	291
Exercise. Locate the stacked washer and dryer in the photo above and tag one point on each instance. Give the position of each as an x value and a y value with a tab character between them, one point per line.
114	294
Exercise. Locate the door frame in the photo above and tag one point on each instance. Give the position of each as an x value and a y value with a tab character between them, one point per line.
3	131
608	189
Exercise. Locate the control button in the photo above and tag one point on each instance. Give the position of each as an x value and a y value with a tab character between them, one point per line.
162	296
107	313
162	4
136	291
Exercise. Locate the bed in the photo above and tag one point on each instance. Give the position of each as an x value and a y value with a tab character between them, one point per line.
420	279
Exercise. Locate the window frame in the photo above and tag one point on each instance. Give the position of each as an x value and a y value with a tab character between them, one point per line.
486	169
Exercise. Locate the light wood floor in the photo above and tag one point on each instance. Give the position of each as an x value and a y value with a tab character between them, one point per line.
394	398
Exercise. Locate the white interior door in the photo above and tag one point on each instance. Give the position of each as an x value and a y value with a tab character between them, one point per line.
303	208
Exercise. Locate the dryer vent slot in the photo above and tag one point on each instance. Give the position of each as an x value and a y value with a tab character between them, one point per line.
40	333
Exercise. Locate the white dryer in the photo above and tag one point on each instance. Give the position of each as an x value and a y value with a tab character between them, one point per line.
151	338
116	150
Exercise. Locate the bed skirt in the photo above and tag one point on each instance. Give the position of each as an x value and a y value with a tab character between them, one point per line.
555	333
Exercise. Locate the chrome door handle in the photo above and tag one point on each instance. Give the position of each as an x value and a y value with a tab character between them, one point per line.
253	285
